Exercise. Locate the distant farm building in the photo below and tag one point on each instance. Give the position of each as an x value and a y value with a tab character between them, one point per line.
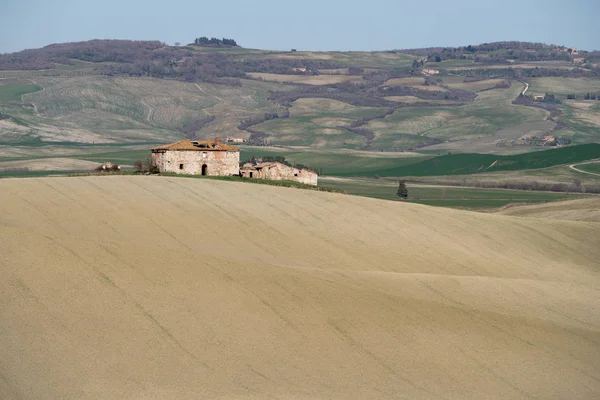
277	171
198	157
109	166
538	97
231	139
428	71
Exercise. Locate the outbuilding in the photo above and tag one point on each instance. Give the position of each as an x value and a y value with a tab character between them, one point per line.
278	171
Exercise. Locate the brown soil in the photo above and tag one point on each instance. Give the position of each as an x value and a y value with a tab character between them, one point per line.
575	210
173	288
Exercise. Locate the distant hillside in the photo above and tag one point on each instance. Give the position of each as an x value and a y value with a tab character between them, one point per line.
121	51
498	52
153	58
441	99
214	42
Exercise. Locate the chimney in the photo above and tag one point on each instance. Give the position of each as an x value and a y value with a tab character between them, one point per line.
218	139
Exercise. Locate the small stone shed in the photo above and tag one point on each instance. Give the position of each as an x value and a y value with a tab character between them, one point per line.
198	157
277	171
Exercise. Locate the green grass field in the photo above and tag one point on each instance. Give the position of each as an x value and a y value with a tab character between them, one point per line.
369	164
560	86
444	196
129	110
451	64
319	123
116	152
490	115
377	59
593	168
314	122
465	164
546	176
35	174
13	92
127	157
332	162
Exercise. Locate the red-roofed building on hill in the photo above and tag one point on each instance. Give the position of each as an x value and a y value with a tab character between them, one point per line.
198	157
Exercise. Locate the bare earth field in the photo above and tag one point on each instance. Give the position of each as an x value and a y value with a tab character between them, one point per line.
524	66
307	79
158	288
476	85
413	81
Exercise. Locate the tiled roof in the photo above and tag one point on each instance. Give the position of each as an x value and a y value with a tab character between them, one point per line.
197	145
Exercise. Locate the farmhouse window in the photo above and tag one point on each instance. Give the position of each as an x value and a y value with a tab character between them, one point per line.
180	166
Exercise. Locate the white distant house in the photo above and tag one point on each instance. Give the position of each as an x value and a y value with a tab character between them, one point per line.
428	71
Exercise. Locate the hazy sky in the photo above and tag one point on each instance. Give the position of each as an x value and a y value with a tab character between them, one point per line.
303	24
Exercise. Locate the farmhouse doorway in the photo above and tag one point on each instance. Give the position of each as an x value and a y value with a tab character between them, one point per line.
204	167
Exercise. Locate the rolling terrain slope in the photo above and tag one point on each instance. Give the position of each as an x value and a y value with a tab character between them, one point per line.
158	287
575	210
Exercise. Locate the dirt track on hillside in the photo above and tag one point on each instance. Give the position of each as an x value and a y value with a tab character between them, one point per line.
174	288
574	168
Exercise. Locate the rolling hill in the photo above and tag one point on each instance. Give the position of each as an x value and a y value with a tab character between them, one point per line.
360	114
458	99
575	210
159	287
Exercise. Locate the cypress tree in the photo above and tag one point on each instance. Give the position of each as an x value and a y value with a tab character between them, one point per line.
402	190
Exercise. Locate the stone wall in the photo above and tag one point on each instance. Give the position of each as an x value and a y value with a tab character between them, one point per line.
218	163
278	171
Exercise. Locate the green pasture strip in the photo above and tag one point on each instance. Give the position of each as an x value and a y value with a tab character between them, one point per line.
117	157
466	164
333	162
33	174
13	92
444	196
593	168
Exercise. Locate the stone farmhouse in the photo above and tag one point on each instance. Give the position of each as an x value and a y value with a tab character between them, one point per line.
199	157
277	171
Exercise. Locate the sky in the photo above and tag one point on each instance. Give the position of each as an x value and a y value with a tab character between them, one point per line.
303	24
